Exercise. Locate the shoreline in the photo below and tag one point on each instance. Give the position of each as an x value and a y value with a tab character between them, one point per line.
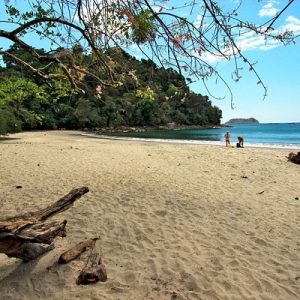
193	142
91	134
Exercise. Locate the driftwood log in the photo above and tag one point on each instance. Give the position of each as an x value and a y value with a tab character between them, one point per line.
26	236
295	158
76	251
94	270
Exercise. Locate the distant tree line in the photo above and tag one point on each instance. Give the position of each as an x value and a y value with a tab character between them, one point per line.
146	95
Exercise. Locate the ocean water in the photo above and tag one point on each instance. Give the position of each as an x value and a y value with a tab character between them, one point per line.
277	135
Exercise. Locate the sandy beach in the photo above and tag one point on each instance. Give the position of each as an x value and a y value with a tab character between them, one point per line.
175	221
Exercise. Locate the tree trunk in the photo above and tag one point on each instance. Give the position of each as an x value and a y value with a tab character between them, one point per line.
26	236
94	270
295	158
76	251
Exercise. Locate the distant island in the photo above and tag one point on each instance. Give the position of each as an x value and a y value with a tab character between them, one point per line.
242	121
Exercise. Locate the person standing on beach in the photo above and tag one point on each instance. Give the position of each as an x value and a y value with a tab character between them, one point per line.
227	138
241	141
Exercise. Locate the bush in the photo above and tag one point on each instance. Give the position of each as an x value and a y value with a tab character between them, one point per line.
179	117
9	123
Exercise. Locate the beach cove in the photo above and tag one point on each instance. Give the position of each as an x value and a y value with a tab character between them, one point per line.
175	221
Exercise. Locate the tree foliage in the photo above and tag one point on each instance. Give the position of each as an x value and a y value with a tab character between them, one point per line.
156	28
149	96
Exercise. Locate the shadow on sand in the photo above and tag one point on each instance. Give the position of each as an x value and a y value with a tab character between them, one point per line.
20	280
7	139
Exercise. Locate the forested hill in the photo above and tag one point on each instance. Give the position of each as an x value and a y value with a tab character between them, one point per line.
242	121
148	96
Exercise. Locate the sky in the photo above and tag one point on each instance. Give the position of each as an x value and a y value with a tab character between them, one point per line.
278	66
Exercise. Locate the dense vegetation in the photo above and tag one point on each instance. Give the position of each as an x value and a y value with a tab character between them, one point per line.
148	96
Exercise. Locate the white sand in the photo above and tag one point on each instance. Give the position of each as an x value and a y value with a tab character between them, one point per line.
176	221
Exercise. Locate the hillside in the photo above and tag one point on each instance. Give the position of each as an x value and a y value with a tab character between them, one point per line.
148	96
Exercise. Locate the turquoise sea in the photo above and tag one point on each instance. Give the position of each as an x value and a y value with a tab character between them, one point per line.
277	135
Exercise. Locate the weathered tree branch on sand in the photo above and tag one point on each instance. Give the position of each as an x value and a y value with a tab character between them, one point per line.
26	236
293	157
76	251
94	270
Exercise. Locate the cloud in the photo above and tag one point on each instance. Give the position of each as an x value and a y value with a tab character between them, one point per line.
199	20
292	24
250	41
268	10
253	42
211	58
292	19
